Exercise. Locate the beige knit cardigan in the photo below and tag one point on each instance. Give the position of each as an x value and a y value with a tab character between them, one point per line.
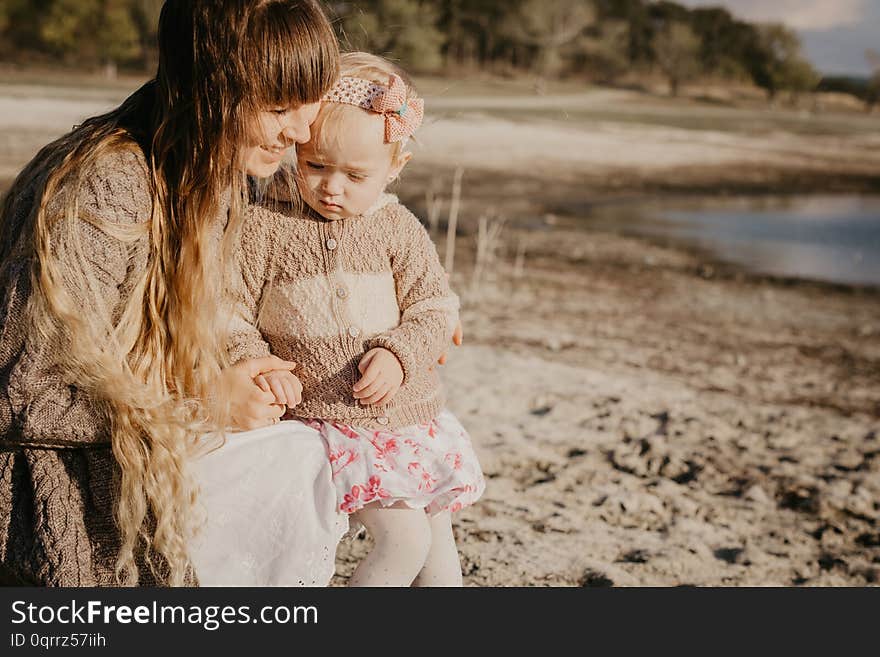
323	292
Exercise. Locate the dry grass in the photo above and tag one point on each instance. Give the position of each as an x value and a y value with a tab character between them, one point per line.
453	220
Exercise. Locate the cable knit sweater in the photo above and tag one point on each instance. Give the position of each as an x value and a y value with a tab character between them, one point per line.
58	478
323	292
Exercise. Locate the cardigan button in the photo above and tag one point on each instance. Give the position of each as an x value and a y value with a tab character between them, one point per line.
382	420
341	293
354	331
331	244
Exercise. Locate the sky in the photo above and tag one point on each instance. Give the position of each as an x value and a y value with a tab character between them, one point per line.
834	33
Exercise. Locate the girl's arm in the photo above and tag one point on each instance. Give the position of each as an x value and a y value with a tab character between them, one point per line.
247	349
429	308
252	264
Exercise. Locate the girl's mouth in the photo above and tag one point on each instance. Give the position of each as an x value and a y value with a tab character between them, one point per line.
330	206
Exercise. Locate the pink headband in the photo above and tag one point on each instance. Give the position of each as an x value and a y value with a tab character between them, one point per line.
402	116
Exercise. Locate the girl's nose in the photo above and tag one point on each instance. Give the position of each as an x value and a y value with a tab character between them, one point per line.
330	185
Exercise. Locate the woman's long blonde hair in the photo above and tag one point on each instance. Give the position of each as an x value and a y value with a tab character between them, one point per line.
151	365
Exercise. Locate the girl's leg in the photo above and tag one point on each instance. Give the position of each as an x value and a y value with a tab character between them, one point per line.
442	567
403	539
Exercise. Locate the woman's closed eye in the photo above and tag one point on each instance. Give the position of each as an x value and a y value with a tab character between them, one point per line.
314	165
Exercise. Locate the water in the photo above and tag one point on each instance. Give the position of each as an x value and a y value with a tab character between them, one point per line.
826	238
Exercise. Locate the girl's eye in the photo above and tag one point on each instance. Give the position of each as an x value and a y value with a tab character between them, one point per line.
356	177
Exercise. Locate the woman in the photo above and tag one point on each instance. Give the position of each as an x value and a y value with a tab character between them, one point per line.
112	268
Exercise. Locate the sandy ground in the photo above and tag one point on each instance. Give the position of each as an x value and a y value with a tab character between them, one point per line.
644	416
645	419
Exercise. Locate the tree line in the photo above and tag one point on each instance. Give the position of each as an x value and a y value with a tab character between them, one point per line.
595	40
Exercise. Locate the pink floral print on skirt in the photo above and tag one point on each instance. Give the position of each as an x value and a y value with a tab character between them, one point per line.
431	466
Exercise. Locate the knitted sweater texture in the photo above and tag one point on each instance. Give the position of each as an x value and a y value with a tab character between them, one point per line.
324	292
58	475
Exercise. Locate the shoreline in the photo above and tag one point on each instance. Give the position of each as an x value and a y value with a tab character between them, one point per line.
546	212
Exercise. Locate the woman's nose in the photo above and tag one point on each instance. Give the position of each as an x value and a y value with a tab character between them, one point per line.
296	132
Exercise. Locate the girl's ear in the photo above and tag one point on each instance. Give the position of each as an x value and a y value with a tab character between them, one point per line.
402	159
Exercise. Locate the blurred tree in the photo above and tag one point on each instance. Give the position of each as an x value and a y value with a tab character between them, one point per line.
21	30
602	53
98	31
403	29
118	37
665	13
611	50
677	50
146	18
635	14
71	25
800	77
549	26
843	84
778	64
472	34
725	42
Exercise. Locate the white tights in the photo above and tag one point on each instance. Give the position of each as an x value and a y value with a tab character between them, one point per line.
410	548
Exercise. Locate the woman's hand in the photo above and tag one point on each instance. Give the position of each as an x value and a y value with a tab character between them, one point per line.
250	407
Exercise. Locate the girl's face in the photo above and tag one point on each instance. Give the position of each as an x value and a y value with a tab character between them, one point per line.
275	130
342	175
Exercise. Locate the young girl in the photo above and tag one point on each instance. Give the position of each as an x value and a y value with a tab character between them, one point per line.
350	287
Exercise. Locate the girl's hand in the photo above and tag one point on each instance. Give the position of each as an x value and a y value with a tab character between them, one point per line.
249	406
284	384
381	377
457	338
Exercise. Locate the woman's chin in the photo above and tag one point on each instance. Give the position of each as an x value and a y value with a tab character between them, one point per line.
260	164
263	169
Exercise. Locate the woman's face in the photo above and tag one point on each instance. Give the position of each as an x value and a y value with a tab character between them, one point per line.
275	131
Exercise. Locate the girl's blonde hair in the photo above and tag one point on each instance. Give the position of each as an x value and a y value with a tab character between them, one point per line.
370	67
151	368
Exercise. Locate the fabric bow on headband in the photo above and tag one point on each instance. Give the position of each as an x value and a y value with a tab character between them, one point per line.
402	116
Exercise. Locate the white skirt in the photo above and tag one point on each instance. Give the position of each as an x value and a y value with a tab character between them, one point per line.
269	508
